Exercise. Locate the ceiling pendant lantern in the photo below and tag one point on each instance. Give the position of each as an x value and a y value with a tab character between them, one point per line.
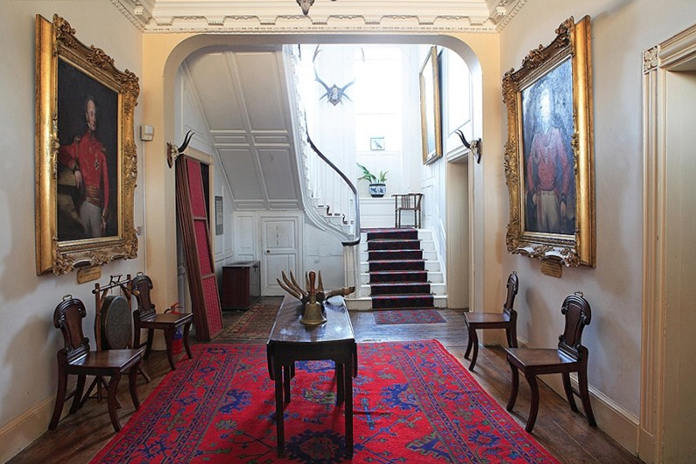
305	4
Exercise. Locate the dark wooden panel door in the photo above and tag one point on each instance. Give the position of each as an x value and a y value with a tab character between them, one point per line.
195	232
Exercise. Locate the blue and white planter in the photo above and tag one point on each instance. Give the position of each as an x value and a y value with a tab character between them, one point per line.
378	190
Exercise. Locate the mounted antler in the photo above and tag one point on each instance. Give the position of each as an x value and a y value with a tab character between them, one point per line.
333	94
173	152
474	146
311	290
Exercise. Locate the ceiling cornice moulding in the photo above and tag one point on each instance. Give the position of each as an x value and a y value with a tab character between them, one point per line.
341	16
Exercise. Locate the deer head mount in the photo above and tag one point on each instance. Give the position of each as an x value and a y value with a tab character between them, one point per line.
173	151
334	94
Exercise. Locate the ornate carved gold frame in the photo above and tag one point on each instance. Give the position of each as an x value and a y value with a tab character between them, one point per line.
431	122
56	41
571	43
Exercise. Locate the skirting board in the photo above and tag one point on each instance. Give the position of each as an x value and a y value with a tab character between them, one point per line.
22	431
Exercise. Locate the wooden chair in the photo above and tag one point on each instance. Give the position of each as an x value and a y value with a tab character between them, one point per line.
145	317
571	356
407	202
506	320
77	359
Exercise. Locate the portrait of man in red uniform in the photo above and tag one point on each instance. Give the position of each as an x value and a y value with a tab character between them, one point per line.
548	158
86	158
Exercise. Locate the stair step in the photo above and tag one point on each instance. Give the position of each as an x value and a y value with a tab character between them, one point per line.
392	234
397	276
383	255
402	301
397	265
384	244
400	288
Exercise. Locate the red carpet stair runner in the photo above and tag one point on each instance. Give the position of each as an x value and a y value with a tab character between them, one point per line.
398	279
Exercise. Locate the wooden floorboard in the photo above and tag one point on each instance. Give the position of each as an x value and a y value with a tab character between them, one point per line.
564	433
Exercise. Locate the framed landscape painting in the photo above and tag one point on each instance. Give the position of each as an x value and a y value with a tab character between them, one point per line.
549	160
85	153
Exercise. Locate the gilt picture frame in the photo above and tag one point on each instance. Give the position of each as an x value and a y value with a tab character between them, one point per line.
86	157
549	160
431	121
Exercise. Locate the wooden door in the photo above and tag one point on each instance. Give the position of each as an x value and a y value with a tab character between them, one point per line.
195	232
281	241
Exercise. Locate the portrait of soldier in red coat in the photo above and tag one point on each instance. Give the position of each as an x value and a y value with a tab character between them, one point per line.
548	160
83	181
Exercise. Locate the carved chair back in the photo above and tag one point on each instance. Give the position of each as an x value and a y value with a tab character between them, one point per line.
512	286
578	315
68	317
141	286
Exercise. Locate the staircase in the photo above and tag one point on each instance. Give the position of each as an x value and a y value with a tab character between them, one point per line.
399	269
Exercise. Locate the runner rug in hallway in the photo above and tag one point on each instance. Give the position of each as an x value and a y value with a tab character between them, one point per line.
256	322
414	402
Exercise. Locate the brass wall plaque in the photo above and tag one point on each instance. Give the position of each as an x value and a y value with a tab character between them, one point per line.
552	268
88	274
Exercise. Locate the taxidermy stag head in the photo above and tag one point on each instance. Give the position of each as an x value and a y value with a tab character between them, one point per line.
334	94
173	151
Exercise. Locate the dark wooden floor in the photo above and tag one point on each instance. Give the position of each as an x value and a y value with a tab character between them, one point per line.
564	433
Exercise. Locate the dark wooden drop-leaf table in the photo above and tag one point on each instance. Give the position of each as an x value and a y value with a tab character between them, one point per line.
292	341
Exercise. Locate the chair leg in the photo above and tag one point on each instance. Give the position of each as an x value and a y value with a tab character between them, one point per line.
569	391
132	384
534	407
60	400
169	341
470	343
514	386
585	397
511	333
187	328
111	389
473	337
77	396
148	347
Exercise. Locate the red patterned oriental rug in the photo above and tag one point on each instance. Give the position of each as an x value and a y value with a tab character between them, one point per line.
256	322
409	316
414	403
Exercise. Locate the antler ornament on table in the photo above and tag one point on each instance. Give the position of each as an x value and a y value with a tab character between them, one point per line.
312	296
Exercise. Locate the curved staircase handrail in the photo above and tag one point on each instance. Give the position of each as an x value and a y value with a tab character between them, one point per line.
356	232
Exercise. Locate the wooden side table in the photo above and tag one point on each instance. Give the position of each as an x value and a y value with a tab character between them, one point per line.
291	341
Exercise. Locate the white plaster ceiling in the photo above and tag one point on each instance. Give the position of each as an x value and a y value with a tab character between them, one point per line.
336	15
243	101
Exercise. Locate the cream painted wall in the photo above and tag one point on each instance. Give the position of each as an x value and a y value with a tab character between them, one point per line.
28	370
621	30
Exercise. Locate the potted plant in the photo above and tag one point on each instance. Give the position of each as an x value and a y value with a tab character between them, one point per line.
377	183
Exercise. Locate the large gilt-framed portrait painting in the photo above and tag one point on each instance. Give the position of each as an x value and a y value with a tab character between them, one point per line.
549	159
85	153
431	122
